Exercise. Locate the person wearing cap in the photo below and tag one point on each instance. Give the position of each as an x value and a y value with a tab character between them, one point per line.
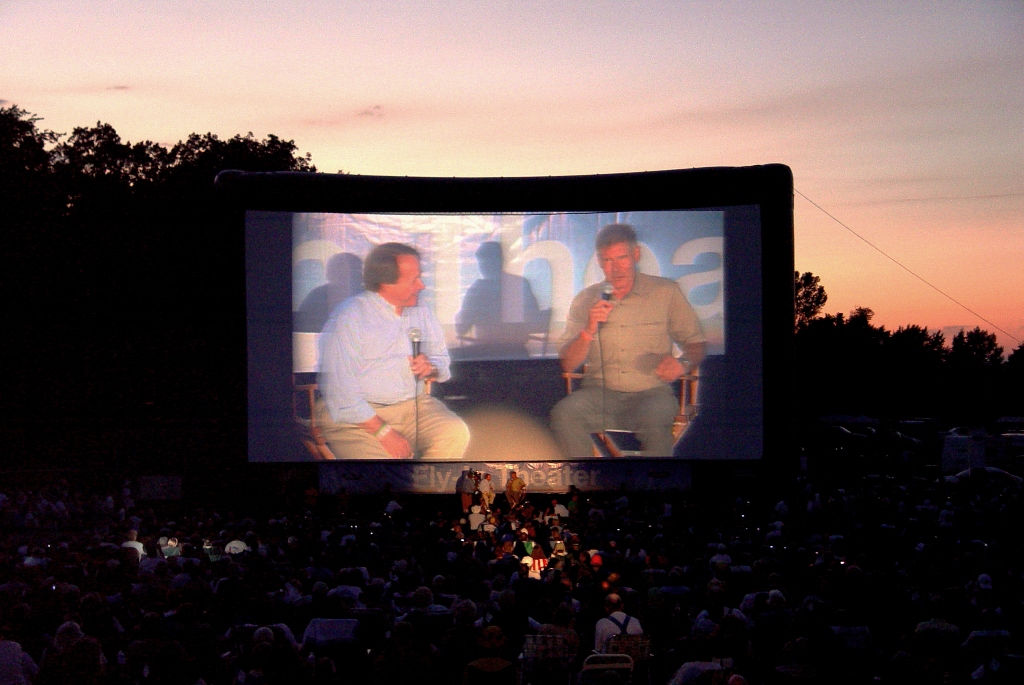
369	380
624	330
617	622
524	543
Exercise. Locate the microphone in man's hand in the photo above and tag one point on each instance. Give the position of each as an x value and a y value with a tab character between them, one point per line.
415	337
606	295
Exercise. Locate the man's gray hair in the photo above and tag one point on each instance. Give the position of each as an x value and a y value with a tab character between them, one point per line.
613	234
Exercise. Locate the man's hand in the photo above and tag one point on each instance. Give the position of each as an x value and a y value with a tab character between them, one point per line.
669	369
421	367
599	314
393	442
575	352
396	445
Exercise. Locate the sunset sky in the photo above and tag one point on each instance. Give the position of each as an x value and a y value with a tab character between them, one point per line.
905	120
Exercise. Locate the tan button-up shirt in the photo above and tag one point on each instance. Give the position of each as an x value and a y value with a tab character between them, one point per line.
639	332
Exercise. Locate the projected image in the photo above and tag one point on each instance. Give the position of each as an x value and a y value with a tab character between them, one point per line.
501	285
631	303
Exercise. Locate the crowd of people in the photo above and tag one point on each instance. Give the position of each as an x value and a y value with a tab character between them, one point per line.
867	580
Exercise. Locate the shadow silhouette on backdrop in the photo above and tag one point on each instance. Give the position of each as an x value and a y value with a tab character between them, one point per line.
344	279
499	313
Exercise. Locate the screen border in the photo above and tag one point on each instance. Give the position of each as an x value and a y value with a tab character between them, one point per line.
769	187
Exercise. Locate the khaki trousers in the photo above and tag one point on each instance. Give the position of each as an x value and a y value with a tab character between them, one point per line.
442	434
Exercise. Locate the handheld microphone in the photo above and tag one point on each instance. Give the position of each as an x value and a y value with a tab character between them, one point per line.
415	337
606	295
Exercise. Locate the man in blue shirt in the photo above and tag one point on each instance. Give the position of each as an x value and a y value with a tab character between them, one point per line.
370	380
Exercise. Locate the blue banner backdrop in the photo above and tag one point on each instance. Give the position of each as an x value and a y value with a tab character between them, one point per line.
554	477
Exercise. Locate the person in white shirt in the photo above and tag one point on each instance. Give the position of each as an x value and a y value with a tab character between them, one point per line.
476	517
486	488
559	509
133	543
616	623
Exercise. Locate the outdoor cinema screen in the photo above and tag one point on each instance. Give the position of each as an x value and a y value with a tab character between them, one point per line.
510	271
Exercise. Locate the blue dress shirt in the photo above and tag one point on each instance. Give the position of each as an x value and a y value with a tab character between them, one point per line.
364	355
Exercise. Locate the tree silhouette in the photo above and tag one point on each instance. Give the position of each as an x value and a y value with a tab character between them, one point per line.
913	372
23	147
974	369
27	191
810	297
121	270
30	209
975	349
1013	382
845	364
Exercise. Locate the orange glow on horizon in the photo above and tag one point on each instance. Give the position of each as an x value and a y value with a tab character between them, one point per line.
901	121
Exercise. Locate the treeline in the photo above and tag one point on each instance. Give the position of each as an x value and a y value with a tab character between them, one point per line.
123	277
844	364
123	284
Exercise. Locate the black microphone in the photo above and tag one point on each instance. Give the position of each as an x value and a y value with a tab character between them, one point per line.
606	295
415	337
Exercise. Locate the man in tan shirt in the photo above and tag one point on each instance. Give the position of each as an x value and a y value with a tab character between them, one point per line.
626	342
515	490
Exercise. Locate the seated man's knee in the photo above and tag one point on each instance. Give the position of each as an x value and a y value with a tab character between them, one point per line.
451	440
659	408
570	412
559	413
460	439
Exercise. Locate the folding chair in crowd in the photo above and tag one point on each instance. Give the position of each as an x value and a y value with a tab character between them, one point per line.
638	647
545	660
607	669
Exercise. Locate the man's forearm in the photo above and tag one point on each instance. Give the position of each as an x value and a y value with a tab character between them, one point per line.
373	425
575	353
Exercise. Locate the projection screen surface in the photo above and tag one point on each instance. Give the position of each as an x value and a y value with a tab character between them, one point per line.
500	279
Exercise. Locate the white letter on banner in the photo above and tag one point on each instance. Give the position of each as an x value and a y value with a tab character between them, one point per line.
447	292
685	255
422	475
560	260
